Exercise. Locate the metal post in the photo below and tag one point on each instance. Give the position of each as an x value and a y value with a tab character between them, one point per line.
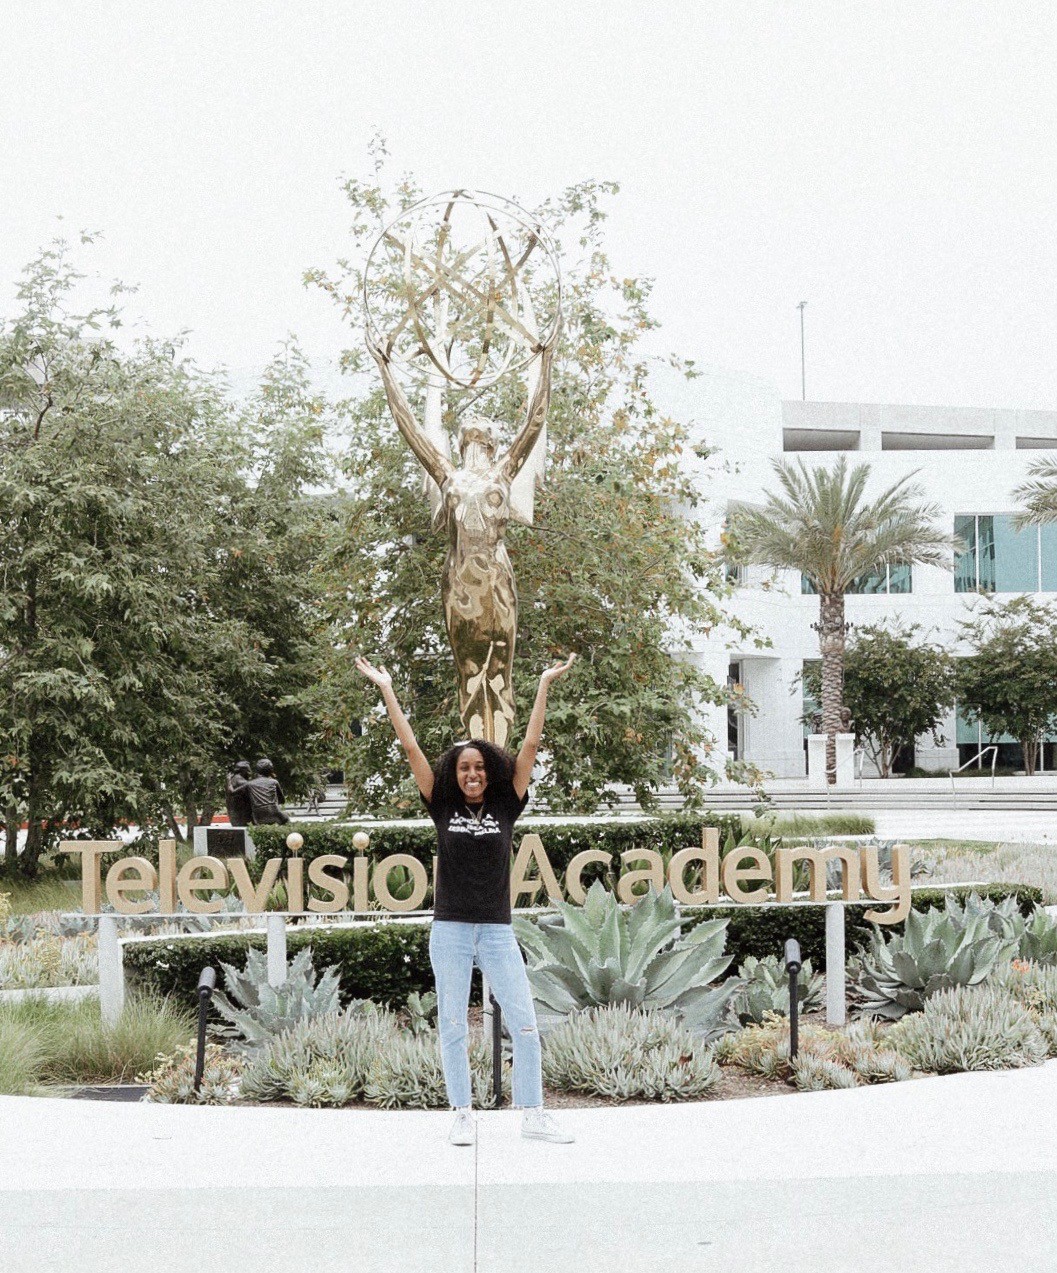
497	1052
792	966
836	1008
111	971
207	983
276	927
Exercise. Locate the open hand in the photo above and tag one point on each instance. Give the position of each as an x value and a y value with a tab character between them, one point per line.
378	675
559	669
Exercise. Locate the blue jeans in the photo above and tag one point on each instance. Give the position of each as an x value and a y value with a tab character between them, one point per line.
454	948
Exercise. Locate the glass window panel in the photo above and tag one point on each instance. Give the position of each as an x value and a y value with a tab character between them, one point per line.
1016	557
900	579
1049	557
985	539
809	704
869	584
966	731
806	585
965	562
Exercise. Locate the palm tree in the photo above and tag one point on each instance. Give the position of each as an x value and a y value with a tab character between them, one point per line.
824	528
1038	494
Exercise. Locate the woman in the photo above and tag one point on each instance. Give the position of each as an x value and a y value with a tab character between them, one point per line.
474	795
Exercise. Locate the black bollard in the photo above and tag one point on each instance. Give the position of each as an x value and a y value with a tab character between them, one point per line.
497	1052
793	964
207	983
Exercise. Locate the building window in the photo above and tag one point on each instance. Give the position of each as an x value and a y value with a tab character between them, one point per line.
735	717
998	558
890	579
972	738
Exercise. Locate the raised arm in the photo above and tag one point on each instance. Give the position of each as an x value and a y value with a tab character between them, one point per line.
526	757
420	766
436	465
536	414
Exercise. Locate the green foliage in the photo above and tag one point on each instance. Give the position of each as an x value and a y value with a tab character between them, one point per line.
74	1045
1009	681
562	840
823	526
260	1010
47	960
321	1060
970	1028
826	1058
155	601
384	962
1038	492
22	1056
421	1011
611	568
406	1073
602	953
172	1078
958	946
766	989
895	687
627	1053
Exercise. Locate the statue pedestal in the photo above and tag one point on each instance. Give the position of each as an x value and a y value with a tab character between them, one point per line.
816	760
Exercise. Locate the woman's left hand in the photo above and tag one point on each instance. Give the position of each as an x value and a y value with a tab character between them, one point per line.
559	669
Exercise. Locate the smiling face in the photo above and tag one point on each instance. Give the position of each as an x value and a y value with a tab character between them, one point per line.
470	774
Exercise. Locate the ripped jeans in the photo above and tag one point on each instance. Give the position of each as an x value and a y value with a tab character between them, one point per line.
454	948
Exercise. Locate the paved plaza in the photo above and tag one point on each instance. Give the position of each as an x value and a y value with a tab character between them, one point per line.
939	1174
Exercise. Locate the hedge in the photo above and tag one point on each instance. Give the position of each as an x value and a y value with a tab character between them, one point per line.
562	840
389	960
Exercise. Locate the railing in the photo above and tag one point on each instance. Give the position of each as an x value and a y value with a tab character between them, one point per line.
972	760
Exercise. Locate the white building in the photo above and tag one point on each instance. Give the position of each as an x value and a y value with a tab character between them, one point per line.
967	460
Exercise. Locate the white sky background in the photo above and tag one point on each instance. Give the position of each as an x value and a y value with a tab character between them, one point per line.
893	162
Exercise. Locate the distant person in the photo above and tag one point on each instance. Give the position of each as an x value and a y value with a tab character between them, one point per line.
236	795
266	796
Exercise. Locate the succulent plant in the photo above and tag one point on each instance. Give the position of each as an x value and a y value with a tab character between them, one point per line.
406	1073
602	953
172	1078
766	989
813	1073
321	1060
421	1011
826	1058
260	1010
970	1028
1038	937
958	946
624	1053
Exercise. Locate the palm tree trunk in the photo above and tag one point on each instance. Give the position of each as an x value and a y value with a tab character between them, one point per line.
831	643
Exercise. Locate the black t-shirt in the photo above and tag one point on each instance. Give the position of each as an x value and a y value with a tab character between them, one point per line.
473	855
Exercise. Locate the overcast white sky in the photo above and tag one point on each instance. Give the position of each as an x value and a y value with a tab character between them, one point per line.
892	162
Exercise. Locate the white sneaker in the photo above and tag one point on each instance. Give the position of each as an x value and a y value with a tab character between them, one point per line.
463	1130
536	1124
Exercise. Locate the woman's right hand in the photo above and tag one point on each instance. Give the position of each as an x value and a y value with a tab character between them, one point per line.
378	675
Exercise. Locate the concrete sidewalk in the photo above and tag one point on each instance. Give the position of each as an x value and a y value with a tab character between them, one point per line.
940	1174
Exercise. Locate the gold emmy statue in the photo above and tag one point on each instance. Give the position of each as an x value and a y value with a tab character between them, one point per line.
448	297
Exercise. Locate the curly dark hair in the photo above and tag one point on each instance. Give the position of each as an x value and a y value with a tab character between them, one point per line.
498	768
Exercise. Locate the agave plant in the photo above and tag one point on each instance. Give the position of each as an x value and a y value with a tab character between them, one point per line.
601	953
1038	937
766	989
260	1010
959	946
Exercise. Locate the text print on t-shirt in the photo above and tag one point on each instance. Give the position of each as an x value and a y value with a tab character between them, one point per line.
460	824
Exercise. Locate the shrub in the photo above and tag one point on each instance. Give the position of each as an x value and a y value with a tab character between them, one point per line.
406	1072
321	1060
969	1028
172	1078
766	989
604	953
624	1053
22	1057
262	1010
958	946
45	960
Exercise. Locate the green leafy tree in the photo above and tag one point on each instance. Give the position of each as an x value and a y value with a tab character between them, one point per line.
1038	492
896	687
1009	682
145	633
823	526
615	567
